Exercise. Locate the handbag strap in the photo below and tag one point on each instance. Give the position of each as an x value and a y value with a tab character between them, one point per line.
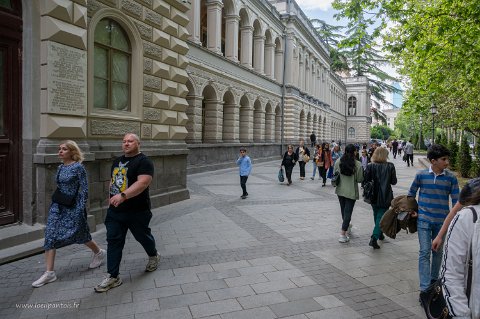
470	261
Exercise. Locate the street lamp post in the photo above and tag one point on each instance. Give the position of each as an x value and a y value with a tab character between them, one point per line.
433	111
420	137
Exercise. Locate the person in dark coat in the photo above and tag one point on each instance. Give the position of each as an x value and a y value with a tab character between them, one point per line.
301	152
383	175
313	139
290	158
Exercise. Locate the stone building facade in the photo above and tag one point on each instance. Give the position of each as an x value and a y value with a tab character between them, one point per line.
90	71
195	80
259	76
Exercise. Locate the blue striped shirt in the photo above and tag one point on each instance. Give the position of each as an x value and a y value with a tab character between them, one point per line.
433	197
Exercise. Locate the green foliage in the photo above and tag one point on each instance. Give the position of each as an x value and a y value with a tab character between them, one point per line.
464	159
475	171
442	139
453	148
415	139
332	35
381	131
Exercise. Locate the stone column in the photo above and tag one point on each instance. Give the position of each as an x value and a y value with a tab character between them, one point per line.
259	126
259	47
307	78
194	24
214	25
278	74
246	124
194	123
230	123
278	127
289	70
213	121
270	60
247	39
301	71
270	127
231	37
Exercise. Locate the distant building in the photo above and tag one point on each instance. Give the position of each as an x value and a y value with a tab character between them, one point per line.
391	116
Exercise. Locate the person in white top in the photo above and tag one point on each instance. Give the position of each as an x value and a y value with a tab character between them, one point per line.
460	237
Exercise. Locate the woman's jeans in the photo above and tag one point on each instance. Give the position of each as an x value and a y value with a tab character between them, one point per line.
302	168
378	213
428	268
346	206
315	168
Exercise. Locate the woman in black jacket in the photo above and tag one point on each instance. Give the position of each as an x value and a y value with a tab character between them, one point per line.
301	151
383	175
290	158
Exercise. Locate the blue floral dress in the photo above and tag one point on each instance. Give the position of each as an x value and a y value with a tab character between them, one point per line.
68	225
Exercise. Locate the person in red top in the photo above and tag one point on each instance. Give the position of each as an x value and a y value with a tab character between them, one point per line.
326	161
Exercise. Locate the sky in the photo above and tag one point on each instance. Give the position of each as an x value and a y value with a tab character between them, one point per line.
322	9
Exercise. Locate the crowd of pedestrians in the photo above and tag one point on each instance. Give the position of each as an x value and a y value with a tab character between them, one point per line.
442	209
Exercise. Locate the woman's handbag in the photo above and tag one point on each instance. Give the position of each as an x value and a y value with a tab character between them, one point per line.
434	303
306	158
336	179
368	191
320	163
280	175
64	199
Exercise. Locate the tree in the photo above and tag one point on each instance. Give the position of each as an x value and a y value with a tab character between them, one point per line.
381	132
464	159
476	163
360	47
331	35
453	148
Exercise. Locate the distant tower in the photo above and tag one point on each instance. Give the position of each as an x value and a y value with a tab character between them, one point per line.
397	97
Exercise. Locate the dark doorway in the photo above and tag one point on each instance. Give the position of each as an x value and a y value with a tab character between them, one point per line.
10	110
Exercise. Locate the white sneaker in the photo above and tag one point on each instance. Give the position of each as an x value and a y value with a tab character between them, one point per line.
97	259
47	277
152	264
343	239
108	283
349	231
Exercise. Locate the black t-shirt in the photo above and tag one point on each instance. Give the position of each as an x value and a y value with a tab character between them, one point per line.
125	172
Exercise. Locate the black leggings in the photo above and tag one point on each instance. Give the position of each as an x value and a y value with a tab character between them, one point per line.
288	172
302	168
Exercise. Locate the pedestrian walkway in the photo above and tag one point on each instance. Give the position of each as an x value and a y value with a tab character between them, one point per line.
272	255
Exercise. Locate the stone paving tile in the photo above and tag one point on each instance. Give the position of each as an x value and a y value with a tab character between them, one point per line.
337	313
228	293
183	300
295	307
260	300
177	313
216	240
304	292
257	313
215	308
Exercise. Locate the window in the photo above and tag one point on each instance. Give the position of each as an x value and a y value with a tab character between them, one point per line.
352	106
112	67
351	133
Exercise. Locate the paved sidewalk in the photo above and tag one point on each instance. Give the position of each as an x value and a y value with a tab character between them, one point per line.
273	255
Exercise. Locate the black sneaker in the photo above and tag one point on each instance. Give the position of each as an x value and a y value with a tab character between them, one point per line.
373	243
243	197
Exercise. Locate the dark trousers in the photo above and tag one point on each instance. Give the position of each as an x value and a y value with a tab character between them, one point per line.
243	184
323	173
288	172
394	153
302	168
117	225
346	206
409	159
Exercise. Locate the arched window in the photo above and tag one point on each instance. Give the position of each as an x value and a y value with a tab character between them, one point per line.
351	133
352	106
112	67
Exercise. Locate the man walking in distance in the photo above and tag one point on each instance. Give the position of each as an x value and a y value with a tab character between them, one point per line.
395	148
409	153
313	139
129	209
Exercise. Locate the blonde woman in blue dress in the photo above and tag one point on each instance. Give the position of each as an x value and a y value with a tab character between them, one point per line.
68	225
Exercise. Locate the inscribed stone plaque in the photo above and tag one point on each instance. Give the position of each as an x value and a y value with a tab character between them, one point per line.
67	79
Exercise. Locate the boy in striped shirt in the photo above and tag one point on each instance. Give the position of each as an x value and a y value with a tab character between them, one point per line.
436	185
